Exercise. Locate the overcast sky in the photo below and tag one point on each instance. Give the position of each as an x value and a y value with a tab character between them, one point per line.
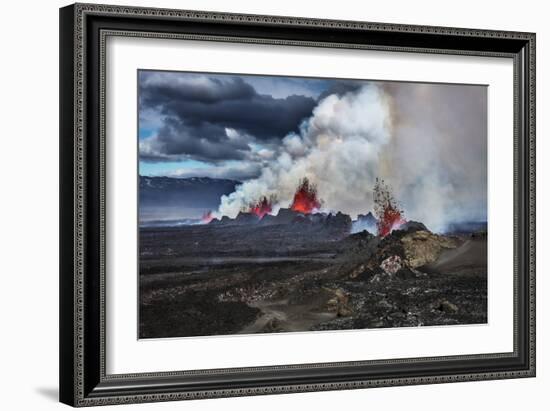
222	126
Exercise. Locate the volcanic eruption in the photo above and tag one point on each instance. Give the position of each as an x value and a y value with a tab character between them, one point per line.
305	199
261	207
386	209
207	217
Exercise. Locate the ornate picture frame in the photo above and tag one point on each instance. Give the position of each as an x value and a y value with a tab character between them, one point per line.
84	30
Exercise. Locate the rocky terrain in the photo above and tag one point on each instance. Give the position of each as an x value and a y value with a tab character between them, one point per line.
298	272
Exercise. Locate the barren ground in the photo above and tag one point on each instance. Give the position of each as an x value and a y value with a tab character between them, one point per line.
214	280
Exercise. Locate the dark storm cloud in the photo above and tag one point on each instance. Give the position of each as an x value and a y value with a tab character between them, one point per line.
260	116
206	141
198	110
159	88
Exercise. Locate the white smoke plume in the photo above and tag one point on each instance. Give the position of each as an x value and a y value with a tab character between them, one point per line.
437	160
338	149
420	138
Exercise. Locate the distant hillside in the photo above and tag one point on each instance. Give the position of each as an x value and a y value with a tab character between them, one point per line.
162	198
466	227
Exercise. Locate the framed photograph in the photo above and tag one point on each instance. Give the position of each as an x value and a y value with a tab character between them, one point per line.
261	204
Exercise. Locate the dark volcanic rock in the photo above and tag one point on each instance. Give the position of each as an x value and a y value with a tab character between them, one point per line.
225	220
246	218
241	219
338	225
212	279
362	244
301	219
317	217
192	314
268	219
410	227
340	222
310	218
362	236
286	216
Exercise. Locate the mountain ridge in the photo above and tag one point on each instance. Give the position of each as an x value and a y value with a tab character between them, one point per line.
162	197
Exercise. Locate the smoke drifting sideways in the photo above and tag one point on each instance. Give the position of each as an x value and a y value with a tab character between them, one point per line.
428	141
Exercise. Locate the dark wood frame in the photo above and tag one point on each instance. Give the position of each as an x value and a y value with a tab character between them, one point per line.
83	30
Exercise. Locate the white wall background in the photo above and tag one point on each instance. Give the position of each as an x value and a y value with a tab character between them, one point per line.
29	205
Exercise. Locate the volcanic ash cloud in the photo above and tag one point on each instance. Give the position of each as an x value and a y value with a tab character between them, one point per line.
427	141
437	160
337	149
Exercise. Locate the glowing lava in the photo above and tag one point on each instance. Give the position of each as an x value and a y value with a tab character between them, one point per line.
390	221
388	213
207	217
261	207
305	199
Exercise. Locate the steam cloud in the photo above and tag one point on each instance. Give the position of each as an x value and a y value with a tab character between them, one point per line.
428	141
437	162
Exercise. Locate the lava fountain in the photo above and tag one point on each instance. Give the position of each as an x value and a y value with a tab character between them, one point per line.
386	209
305	199
261	207
207	217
